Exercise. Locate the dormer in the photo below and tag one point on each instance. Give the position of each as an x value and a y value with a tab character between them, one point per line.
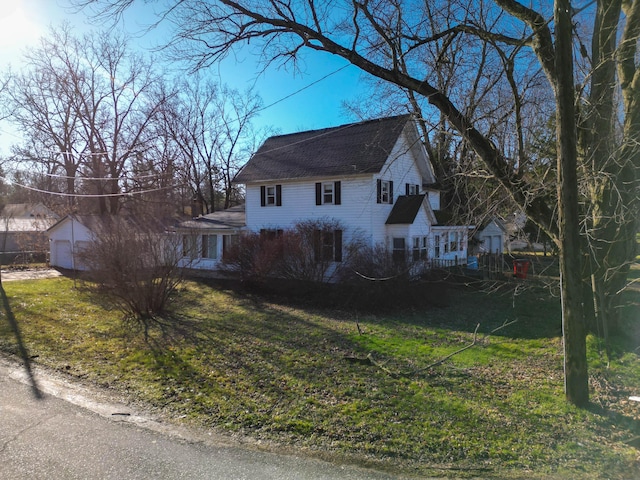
434	198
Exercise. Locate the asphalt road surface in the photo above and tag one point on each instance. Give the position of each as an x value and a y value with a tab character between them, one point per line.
73	433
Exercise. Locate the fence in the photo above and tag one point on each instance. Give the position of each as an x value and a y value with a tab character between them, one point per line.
446	263
23	257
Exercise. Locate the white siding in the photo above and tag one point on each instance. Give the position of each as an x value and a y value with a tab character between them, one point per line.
299	203
63	254
434	199
60	254
492	238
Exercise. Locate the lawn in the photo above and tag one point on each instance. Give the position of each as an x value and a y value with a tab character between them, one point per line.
356	386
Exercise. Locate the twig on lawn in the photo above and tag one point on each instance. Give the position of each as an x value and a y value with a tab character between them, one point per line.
381	366
474	342
445	358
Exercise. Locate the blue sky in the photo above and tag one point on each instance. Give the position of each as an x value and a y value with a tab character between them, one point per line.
23	22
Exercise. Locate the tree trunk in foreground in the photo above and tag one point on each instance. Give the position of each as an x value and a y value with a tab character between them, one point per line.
574	333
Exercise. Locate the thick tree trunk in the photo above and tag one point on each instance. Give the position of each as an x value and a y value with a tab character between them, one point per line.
574	333
611	168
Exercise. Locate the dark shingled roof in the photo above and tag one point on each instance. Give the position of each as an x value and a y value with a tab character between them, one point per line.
444	217
405	209
230	219
346	150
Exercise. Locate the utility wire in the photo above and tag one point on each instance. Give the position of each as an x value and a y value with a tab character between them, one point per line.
134	178
85	195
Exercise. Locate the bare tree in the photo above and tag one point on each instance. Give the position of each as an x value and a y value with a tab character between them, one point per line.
85	105
211	126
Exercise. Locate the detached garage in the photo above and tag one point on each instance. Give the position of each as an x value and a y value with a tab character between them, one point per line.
491	238
67	237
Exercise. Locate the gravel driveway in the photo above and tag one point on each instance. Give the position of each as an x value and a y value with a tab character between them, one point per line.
9	275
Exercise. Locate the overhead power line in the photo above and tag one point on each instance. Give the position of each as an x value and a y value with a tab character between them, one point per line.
87	195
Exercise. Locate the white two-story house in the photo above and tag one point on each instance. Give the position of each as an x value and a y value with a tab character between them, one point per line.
373	177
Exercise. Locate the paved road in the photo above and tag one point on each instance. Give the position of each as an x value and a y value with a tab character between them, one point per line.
73	433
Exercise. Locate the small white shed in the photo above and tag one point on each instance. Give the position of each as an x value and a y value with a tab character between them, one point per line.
492	237
67	237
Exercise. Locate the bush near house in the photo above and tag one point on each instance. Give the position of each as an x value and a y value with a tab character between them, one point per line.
305	252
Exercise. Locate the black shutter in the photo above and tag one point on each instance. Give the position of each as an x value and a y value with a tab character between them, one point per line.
337	239
391	191
279	195
317	245
406	188
417	189
318	193
379	195
337	199
263	195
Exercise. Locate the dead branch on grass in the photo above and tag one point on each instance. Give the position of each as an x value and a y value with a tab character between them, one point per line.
409	373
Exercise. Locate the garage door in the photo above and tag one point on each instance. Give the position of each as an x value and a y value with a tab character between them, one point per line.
62	254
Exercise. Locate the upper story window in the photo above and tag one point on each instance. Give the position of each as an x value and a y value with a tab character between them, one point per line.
412	189
328	193
271	195
385	191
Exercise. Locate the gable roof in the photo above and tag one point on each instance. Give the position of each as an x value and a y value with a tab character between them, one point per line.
405	209
350	149
27	211
26	217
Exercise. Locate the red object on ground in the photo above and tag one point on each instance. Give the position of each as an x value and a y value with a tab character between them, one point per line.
520	268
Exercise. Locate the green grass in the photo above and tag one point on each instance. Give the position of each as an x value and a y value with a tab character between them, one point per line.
245	364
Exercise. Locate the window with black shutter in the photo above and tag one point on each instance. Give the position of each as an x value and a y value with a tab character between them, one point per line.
271	195
328	193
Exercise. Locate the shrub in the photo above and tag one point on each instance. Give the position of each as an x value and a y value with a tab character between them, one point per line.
134	264
308	252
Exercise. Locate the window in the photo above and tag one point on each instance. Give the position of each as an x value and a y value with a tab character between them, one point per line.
210	246
271	195
398	253
270	233
445	241
327	245
227	242
412	189
454	241
436	241
385	191
328	193
189	246
419	248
